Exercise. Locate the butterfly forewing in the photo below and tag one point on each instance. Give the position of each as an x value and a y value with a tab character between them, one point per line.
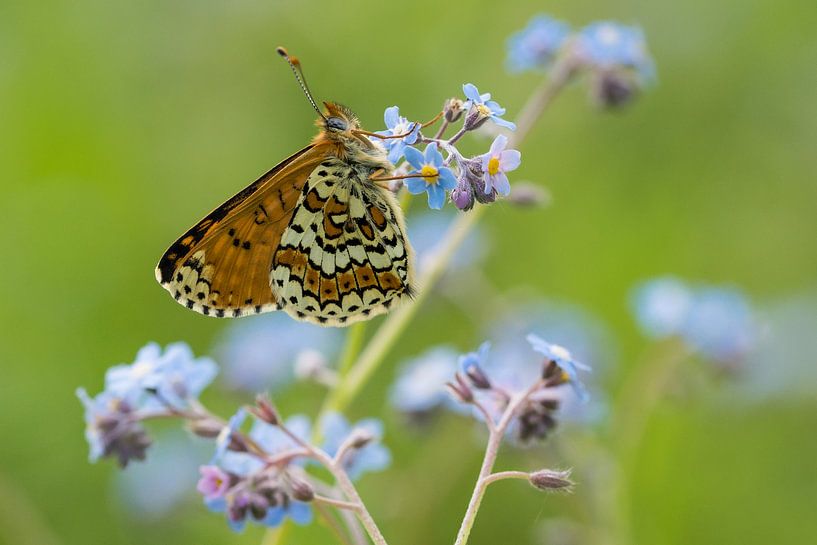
344	256
220	267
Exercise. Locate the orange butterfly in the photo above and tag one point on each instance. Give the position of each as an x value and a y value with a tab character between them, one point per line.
318	236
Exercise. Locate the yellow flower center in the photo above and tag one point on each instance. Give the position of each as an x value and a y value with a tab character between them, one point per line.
493	165
429	174
484	110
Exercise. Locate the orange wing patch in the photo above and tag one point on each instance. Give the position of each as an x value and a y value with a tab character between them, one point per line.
220	266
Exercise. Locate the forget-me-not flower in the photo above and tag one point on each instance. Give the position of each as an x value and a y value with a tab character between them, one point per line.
562	357
609	45
435	179
496	163
536	45
661	306
420	385
397	124
481	108
160	377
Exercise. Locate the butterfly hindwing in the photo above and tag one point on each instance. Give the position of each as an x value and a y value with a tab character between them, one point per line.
220	267
344	256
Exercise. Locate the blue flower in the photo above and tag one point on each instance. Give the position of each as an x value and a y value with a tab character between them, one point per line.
480	108
175	375
371	457
259	354
471	366
536	45
609	45
496	163
562	357
436	179
720	324
112	428
661	306
397	124
420	385
426	233
717	322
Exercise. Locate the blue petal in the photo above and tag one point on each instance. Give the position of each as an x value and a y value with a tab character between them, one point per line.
396	152
414	157
495	108
471	92
391	116
274	517
436	197
432	156
416	186
504	123
236	525
446	179
300	513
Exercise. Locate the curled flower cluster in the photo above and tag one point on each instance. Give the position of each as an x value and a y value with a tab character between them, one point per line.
452	176
258	475
614	56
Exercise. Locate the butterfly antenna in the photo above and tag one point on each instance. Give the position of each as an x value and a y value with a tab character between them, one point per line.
295	64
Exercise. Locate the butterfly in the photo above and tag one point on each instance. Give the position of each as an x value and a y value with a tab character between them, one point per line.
319	236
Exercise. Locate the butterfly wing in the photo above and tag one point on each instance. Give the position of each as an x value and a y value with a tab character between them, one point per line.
220	267
344	256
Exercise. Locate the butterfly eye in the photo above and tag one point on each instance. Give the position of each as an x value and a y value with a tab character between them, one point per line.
336	123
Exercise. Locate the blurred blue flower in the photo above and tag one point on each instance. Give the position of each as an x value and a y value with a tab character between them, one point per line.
427	231
496	163
510	362
175	375
608	45
536	45
436	178
259	354
661	306
480	108
720	324
373	456
397	124
268	437
562	357
112	429
717	322
151	490
420	384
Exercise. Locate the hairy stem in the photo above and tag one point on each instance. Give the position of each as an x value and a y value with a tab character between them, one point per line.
485	476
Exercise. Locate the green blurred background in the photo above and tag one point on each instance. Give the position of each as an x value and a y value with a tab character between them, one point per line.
121	123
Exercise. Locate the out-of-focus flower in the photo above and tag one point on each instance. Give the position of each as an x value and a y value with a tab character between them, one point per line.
259	354
153	489
397	124
436	178
420	385
481	108
214	482
267	511
157	378
496	163
471	367
372	456
426	232
609	45
112	429
717	322
661	306
720	324
562	357
225	439
535	46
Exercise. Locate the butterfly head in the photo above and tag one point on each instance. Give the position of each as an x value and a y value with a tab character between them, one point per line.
338	119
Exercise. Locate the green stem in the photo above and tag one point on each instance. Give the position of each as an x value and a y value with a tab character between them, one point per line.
354	341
